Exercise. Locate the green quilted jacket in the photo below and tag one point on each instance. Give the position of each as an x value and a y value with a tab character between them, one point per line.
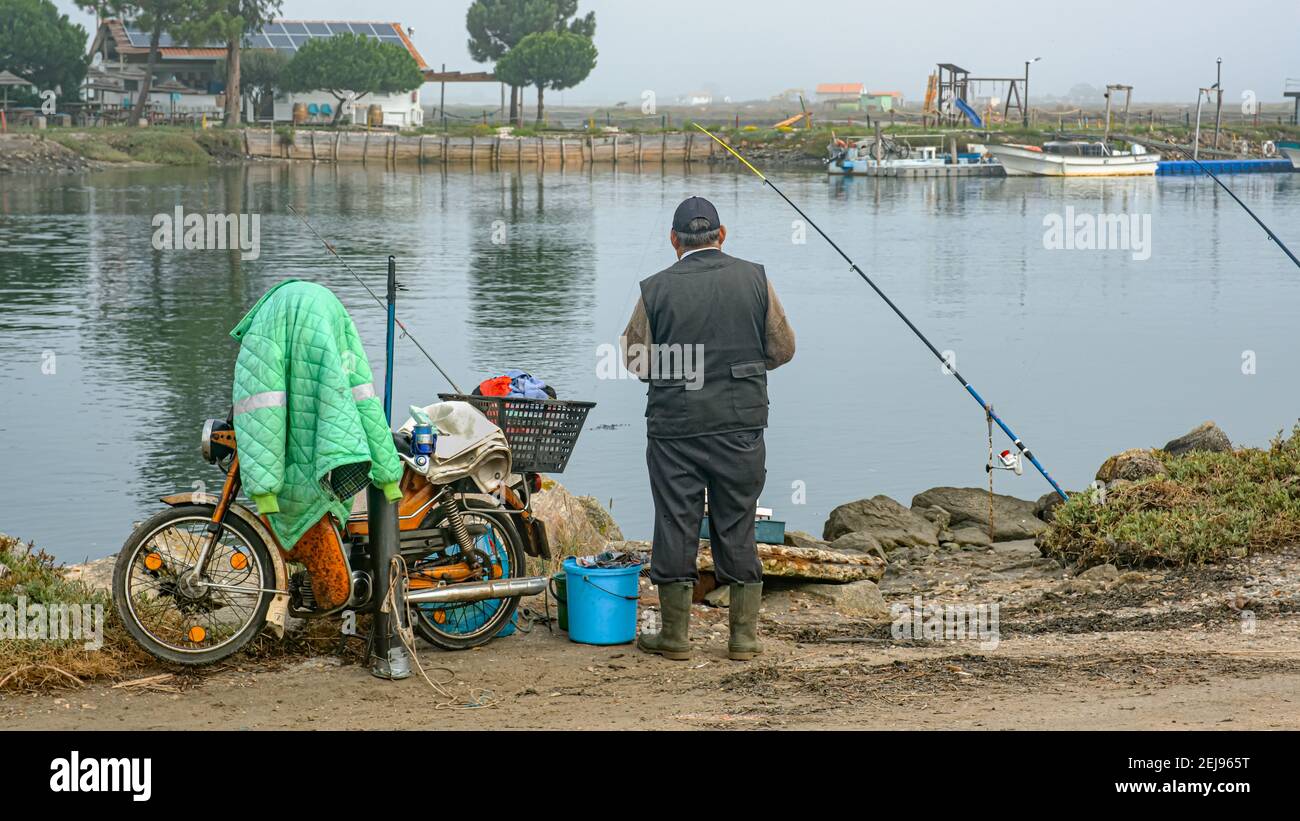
309	425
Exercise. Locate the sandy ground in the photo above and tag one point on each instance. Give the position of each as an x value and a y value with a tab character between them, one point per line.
1209	648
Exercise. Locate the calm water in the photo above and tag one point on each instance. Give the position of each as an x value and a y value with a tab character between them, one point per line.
1083	352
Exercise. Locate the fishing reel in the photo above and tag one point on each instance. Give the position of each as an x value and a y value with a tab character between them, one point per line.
1010	461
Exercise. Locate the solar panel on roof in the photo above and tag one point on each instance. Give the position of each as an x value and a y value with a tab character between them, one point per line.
285	36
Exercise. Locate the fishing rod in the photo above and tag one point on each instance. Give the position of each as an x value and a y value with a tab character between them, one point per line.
853	266
1237	199
382	303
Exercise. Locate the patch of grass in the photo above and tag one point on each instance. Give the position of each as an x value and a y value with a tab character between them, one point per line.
90	146
160	147
1205	507
40	665
43	664
221	143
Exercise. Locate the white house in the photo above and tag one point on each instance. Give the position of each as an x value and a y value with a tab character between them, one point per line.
192	84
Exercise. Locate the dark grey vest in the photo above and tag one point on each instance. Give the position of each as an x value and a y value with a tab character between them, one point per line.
708	322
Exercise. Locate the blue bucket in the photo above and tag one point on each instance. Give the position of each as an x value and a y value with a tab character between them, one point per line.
601	602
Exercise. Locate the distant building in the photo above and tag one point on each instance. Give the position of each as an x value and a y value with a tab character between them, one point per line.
187	81
790	95
698	98
841	96
883	100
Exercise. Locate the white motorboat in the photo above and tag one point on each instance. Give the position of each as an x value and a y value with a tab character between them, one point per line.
1074	158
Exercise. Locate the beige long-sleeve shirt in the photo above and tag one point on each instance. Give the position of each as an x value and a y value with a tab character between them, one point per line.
780	336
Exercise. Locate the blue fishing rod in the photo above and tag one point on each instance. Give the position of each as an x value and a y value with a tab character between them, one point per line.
853	266
1253	215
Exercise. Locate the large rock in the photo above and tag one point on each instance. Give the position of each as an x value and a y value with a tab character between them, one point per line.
574	524
97	575
1206	437
1045	507
785	562
969	506
798	538
1130	466
857	599
892	524
971	534
861	542
937	515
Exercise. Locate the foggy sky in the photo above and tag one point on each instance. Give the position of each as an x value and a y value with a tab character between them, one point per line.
757	48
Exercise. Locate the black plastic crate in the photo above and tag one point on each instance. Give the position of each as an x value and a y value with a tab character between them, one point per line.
541	432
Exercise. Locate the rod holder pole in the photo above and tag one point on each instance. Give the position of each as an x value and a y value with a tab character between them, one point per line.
388	658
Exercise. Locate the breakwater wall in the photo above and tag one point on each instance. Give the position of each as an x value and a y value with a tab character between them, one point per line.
388	147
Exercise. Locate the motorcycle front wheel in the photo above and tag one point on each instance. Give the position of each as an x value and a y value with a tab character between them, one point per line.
187	619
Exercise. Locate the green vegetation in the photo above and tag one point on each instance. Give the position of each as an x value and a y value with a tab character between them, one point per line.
153	16
351	64
260	73
42	665
221	143
41	46
32	664
550	59
497	26
162	146
1205	507
228	21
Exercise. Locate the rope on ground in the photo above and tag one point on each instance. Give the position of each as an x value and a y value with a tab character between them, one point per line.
479	697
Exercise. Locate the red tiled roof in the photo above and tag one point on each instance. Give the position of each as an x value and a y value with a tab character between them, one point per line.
839	88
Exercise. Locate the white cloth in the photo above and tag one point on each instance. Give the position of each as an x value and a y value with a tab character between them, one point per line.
468	442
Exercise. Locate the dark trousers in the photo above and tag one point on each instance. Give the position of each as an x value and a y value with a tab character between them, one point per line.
733	468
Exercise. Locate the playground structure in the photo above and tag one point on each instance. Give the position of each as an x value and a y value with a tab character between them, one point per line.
948	98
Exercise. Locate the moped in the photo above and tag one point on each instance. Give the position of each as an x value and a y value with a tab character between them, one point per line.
196	582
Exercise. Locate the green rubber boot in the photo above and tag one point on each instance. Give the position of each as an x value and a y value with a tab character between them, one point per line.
673	641
742	613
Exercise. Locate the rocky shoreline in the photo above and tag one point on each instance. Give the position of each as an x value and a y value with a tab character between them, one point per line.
862	542
23	154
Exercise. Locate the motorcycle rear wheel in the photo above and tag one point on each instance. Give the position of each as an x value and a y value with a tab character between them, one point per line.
192	628
462	625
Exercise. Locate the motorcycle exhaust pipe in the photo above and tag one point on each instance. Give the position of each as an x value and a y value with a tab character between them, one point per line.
479	591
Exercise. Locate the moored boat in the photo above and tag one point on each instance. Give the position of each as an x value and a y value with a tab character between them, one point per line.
1291	151
859	158
1074	158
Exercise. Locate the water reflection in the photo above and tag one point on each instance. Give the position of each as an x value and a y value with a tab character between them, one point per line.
112	352
531	274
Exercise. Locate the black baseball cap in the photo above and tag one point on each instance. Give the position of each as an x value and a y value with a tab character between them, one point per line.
693	208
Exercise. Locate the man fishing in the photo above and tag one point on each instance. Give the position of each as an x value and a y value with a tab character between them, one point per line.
704	334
